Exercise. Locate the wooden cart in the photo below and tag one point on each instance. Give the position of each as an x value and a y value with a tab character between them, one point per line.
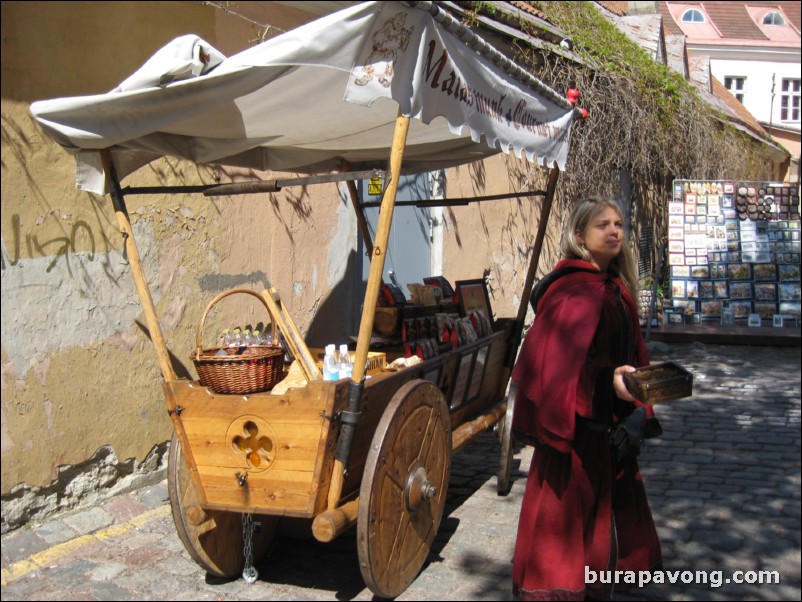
374	453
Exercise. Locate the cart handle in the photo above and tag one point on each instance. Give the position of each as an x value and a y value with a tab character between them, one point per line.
217	299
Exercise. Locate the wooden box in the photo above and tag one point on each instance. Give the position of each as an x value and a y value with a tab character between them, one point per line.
659	383
376	362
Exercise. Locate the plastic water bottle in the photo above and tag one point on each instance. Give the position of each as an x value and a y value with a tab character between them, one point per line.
344	364
237	338
330	369
247	339
226	340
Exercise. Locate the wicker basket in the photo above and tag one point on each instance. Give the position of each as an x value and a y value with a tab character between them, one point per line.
241	372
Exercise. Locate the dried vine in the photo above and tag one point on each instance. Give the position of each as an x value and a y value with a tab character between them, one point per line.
643	117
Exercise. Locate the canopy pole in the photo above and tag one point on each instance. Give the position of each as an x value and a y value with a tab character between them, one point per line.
362	223
377	260
518	326
140	282
545	212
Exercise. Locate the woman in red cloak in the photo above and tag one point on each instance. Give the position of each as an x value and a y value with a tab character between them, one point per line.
585	512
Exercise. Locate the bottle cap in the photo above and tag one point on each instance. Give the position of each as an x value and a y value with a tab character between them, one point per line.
330	348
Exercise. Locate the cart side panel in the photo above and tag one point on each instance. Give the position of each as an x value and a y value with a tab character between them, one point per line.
261	453
456	373
484	388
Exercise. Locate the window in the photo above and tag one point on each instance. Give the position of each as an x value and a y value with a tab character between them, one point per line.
693	16
736	86
773	18
789	100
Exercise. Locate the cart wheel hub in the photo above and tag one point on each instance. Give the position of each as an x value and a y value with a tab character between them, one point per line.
418	489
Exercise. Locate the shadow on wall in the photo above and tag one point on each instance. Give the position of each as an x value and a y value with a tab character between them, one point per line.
337	318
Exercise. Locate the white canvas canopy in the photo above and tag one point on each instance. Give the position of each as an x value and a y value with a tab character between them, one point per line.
325	92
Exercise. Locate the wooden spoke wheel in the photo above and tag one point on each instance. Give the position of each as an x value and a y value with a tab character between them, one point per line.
213	538
505	439
403	488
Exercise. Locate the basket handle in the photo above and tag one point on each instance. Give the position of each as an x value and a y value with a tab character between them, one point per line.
220	297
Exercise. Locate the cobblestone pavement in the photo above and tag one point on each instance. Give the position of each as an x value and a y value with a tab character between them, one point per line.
723	482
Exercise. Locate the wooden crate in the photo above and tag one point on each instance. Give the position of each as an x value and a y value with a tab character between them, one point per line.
659	383
377	360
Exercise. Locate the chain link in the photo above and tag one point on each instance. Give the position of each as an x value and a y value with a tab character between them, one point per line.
249	573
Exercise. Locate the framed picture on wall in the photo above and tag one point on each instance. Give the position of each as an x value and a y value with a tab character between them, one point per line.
473	297
741	309
711	308
706	290
765	291
739	271
790	291
702	271
789	272
765	271
678	289
765	310
740	290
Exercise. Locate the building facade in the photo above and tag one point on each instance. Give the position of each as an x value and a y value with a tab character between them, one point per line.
754	51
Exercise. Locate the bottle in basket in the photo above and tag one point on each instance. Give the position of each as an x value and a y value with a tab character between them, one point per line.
237	338
330	369
344	365
225	342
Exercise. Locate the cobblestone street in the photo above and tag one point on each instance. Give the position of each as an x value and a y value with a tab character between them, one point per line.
723	483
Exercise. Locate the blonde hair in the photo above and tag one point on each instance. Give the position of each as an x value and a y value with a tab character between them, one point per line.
585	211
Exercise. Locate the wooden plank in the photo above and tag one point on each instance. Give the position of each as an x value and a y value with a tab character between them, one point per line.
362	223
293	337
488	393
276	185
473	428
332	523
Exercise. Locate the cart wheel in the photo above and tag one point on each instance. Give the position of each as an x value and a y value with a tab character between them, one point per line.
505	439
213	538
403	488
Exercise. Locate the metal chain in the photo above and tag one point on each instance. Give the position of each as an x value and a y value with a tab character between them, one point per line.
249	573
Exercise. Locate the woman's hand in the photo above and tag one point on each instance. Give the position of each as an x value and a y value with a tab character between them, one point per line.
618	383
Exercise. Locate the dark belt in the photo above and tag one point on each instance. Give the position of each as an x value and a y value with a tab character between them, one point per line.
591	425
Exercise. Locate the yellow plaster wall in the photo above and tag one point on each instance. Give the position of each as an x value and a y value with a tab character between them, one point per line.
497	237
78	369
